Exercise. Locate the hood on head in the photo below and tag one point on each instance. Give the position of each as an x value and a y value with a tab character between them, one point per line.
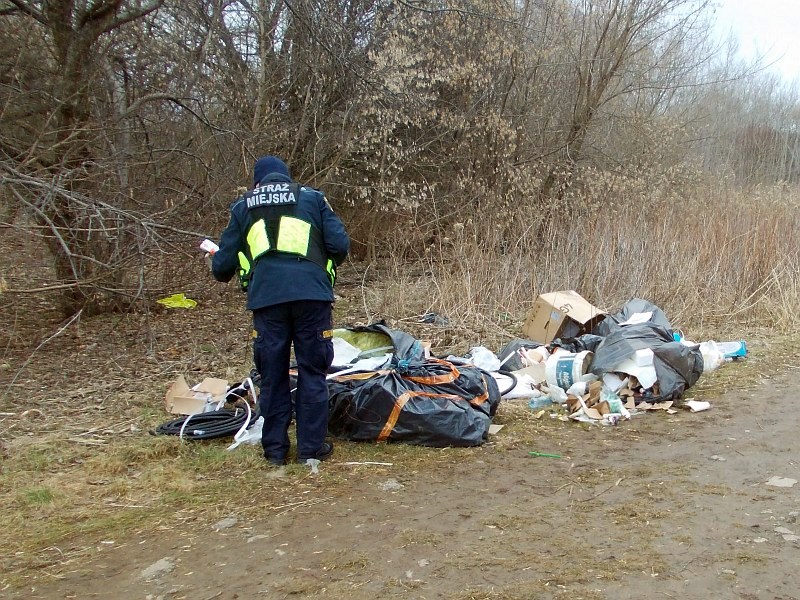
267	165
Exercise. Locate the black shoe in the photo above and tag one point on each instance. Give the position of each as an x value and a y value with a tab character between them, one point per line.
324	453
275	460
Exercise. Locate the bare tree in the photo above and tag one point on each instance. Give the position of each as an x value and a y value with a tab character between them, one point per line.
622	47
63	148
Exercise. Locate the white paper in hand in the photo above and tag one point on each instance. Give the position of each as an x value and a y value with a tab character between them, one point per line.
208	246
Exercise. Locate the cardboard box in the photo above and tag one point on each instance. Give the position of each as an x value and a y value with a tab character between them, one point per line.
563	314
183	400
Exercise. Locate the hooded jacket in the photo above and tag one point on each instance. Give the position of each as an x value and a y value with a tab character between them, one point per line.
279	277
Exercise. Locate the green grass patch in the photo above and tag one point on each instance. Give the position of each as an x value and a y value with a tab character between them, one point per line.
35	497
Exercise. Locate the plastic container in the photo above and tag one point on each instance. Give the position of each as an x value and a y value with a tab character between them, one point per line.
541	402
563	369
733	349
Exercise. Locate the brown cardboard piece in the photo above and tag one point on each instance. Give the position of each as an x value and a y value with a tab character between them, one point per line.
592	396
182	400
562	314
593	413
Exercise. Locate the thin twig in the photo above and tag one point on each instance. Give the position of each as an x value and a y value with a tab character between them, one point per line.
295	505
61	330
597	494
363	289
110	428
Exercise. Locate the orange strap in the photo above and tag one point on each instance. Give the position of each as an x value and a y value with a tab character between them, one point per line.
478	400
400	402
435	379
359	376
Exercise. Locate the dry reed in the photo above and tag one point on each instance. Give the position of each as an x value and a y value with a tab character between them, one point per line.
716	260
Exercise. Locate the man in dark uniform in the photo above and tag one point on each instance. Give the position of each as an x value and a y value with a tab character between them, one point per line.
286	242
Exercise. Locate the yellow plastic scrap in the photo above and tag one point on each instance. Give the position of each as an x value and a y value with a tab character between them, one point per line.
364	340
177	301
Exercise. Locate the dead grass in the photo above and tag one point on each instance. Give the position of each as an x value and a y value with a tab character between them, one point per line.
743	557
346	560
299	586
524	591
57	497
717	265
396	584
63	497
409	537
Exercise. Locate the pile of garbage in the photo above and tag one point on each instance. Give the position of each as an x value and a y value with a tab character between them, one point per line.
629	361
579	362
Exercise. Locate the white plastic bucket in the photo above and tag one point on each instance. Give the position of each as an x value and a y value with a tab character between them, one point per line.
565	368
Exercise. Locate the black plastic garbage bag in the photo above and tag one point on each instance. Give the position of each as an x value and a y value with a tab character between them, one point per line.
678	367
583	342
632	306
430	403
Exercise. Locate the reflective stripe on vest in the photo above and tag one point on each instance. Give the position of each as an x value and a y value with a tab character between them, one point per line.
330	268
244	270
294	236
257	239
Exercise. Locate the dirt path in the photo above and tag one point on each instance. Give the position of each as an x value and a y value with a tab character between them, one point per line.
659	507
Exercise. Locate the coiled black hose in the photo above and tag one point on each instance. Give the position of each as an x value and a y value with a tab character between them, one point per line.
209	425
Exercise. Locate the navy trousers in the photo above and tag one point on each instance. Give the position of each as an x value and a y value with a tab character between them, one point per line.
307	325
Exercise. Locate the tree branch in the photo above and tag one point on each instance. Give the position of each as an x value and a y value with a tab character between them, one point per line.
28	9
132	14
52	227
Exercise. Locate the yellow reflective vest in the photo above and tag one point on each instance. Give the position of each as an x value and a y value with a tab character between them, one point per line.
276	229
